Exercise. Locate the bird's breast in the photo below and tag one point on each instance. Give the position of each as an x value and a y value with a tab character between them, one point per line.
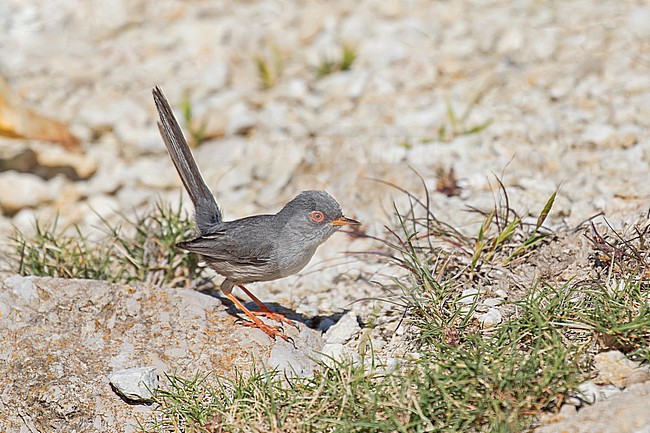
293	258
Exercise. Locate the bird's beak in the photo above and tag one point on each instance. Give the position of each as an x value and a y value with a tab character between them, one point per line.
343	221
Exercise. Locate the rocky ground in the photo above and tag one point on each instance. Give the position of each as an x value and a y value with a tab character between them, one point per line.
543	95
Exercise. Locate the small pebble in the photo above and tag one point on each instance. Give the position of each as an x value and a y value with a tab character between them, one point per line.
490	319
135	384
346	328
493	302
468	296
613	368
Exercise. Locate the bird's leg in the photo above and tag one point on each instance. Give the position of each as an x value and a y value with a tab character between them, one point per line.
271	331
264	310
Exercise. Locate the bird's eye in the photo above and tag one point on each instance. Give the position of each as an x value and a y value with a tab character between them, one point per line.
317	216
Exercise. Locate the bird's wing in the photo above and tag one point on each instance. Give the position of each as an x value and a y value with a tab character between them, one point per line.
225	246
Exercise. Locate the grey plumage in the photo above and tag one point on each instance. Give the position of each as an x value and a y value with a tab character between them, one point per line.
256	248
207	213
268	247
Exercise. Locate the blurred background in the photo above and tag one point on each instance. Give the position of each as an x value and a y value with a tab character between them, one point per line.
283	96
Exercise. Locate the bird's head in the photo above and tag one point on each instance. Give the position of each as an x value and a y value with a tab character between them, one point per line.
314	215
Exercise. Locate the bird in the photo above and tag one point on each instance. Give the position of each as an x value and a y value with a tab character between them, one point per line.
256	248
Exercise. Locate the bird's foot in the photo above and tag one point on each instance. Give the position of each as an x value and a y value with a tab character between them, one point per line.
270	330
256	322
265	311
276	317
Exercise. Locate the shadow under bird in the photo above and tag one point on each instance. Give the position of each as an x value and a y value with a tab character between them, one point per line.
255	248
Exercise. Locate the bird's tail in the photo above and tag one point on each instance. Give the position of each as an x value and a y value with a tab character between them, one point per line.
207	213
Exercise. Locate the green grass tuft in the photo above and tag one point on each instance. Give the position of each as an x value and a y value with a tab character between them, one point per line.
458	125
137	249
270	68
341	398
196	130
344	63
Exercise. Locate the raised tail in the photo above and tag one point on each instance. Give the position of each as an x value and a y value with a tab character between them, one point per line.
207	213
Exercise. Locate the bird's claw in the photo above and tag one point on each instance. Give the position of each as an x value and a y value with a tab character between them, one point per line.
276	317
270	330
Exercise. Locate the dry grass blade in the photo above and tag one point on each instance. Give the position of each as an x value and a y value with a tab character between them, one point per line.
137	249
546	211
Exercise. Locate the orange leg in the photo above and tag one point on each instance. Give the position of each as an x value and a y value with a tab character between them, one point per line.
271	331
265	310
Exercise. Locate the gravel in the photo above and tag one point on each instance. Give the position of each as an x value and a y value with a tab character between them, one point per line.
561	89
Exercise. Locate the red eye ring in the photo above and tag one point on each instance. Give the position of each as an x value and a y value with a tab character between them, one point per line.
317	216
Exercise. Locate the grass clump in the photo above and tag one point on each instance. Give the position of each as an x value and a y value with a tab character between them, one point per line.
196	129
616	316
137	249
344	63
269	68
341	398
495	384
458	123
503	238
500	377
503	233
474	378
615	305
51	253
